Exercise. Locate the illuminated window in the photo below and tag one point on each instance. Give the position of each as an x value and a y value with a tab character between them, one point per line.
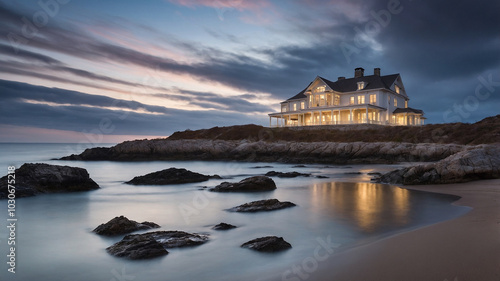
361	85
317	100
283	108
294	107
396	87
321	100
320	89
361	99
406	104
395	102
337	100
351	100
373	99
302	105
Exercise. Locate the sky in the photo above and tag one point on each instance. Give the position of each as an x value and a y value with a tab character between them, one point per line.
102	71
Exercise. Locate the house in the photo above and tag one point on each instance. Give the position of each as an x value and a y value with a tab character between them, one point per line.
373	99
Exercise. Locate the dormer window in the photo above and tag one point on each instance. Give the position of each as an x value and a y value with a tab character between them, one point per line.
396	87
361	85
320	89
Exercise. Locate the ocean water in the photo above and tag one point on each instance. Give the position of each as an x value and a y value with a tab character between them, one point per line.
55	240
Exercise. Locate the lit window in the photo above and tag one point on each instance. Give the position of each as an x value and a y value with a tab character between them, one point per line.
322	100
361	99
396	87
351	100
395	102
302	105
294	107
361	85
320	89
373	99
283	108
337	100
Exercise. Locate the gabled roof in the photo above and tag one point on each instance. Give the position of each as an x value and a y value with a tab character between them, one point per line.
371	82
408	110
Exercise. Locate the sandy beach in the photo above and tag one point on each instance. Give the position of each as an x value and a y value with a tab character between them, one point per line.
465	248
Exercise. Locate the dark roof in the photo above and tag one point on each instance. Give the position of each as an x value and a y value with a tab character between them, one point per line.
408	110
351	84
371	82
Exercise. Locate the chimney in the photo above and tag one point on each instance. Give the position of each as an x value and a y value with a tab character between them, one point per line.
341	78
376	71
359	72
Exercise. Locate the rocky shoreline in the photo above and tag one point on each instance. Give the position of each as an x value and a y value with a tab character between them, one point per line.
262	151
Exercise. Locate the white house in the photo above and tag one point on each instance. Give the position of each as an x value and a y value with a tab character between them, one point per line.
372	99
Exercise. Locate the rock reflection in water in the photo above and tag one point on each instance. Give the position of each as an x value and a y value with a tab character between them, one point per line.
370	207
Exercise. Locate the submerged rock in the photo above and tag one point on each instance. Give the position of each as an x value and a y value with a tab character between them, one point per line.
286	174
153	244
171	176
122	225
33	179
257	183
223	226
476	163
262	205
267	244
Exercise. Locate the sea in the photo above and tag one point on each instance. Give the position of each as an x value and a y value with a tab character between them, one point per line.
340	210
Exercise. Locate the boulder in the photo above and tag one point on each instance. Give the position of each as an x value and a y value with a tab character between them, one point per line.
171	176
32	179
257	183
262	205
223	226
286	175
122	225
267	244
153	244
475	163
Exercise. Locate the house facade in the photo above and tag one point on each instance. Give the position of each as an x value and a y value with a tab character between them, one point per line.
373	99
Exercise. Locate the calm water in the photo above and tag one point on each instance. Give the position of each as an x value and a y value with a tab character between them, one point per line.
55	242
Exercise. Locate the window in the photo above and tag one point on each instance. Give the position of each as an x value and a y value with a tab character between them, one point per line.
283	108
395	102
320	89
396	87
322	100
361	99
351	100
361	85
317	100
373	99
295	107
310	99
337	100
406	104
302	105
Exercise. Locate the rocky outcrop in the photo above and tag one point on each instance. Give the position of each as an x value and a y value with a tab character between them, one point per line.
286	174
278	151
171	176
267	244
223	226
252	184
262	205
122	225
474	163
33	179
153	244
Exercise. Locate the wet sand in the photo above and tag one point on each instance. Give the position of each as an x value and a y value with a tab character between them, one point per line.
465	248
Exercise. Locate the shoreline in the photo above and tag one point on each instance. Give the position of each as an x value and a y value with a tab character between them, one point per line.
463	248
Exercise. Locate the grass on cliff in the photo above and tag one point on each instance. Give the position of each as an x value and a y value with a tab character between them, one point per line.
482	132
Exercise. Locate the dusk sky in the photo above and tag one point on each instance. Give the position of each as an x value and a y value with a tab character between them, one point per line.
108	71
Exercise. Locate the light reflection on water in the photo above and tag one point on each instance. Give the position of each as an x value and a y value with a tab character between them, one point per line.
56	242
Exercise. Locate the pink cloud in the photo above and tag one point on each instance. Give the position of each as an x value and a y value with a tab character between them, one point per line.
240	5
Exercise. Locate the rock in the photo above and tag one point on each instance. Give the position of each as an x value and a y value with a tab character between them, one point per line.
261	167
299	166
262	205
353	173
33	179
321	177
171	176
267	244
252	184
374	174
286	175
153	244
122	225
223	226
480	162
